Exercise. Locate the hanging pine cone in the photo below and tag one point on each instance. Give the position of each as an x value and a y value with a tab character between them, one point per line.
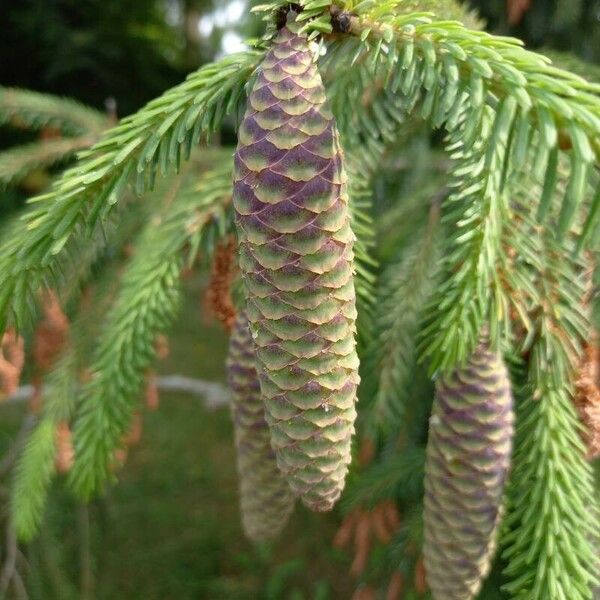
468	457
265	498
297	262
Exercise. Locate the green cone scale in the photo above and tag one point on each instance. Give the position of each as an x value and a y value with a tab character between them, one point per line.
296	259
468	459
266	501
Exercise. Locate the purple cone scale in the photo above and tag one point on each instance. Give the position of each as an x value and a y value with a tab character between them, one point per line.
468	459
266	501
296	260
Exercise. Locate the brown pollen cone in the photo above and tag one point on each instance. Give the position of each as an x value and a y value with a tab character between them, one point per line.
12	359
218	293
587	398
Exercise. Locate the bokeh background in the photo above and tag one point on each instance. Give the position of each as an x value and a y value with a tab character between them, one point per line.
170	528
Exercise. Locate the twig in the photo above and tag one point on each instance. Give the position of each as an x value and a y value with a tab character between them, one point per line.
216	394
9	567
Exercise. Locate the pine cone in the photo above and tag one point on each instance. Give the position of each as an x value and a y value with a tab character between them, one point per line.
297	263
266	500
468	458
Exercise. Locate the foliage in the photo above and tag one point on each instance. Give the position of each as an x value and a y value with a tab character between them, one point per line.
514	221
548	464
64	126
144	308
142	144
32	110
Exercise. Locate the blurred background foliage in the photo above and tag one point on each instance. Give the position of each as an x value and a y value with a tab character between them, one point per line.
170	529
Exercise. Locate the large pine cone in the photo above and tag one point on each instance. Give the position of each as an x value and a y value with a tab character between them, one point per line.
297	263
468	458
265	498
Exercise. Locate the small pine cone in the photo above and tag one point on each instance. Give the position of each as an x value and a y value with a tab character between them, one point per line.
134	435
12	360
161	346
65	453
218	293
296	259
265	498
152	395
587	398
468	458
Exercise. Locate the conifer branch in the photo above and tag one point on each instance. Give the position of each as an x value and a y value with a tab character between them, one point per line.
399	476
145	307
551	524
405	286
33	110
36	466
446	66
359	185
17	163
477	209
149	142
552	519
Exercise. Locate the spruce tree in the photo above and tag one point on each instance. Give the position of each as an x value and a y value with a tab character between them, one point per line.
501	244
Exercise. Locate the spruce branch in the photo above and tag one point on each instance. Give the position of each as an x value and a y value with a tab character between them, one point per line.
149	142
441	68
405	286
145	307
551	524
360	171
572	63
399	476
17	163
444	65
477	210
33	110
36	466
546	282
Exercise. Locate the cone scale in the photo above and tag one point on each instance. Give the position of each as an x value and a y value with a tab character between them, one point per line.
266	501
296	260
468	458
